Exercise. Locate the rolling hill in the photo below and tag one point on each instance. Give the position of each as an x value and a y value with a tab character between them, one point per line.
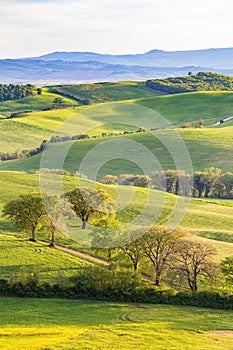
30	129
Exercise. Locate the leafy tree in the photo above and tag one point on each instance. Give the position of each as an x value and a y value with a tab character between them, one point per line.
90	204
58	102
39	91
159	245
193	258
27	212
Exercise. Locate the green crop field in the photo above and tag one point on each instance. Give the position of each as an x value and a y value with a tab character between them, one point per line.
78	325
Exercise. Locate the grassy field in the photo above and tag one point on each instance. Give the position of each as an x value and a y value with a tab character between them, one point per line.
107	92
187	107
210	219
78	325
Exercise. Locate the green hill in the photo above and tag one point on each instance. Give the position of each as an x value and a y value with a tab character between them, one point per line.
30	129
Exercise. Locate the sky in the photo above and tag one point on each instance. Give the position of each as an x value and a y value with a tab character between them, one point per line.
36	27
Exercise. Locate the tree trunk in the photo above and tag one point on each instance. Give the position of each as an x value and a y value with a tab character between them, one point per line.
84	224
135	266
157	280
52	244
33	238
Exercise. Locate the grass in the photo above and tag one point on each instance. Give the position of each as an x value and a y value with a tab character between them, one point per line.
210	219
78	325
107	92
19	256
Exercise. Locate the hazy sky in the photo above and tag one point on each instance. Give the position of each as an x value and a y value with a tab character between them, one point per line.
34	27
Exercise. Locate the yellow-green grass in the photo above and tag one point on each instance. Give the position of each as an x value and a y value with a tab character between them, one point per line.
81	325
33	103
106	92
207	148
211	219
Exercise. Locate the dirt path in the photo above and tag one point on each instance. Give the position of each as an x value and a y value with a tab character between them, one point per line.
82	256
92	259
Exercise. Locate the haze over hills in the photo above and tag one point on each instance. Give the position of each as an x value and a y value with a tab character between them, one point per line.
213	58
81	67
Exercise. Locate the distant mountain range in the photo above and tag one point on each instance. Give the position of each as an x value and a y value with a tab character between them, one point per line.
78	67
214	58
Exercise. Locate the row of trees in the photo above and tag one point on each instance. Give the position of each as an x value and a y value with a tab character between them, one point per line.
173	255
210	183
24	153
14	92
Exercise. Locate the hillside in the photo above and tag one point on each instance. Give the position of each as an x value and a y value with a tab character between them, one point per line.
106	92
207	147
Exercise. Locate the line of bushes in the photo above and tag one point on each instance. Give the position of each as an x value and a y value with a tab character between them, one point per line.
116	286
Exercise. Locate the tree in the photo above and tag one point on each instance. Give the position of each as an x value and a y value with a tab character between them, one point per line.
27	212
192	259
58	101
106	235
134	249
159	245
55	209
90	204
39	91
